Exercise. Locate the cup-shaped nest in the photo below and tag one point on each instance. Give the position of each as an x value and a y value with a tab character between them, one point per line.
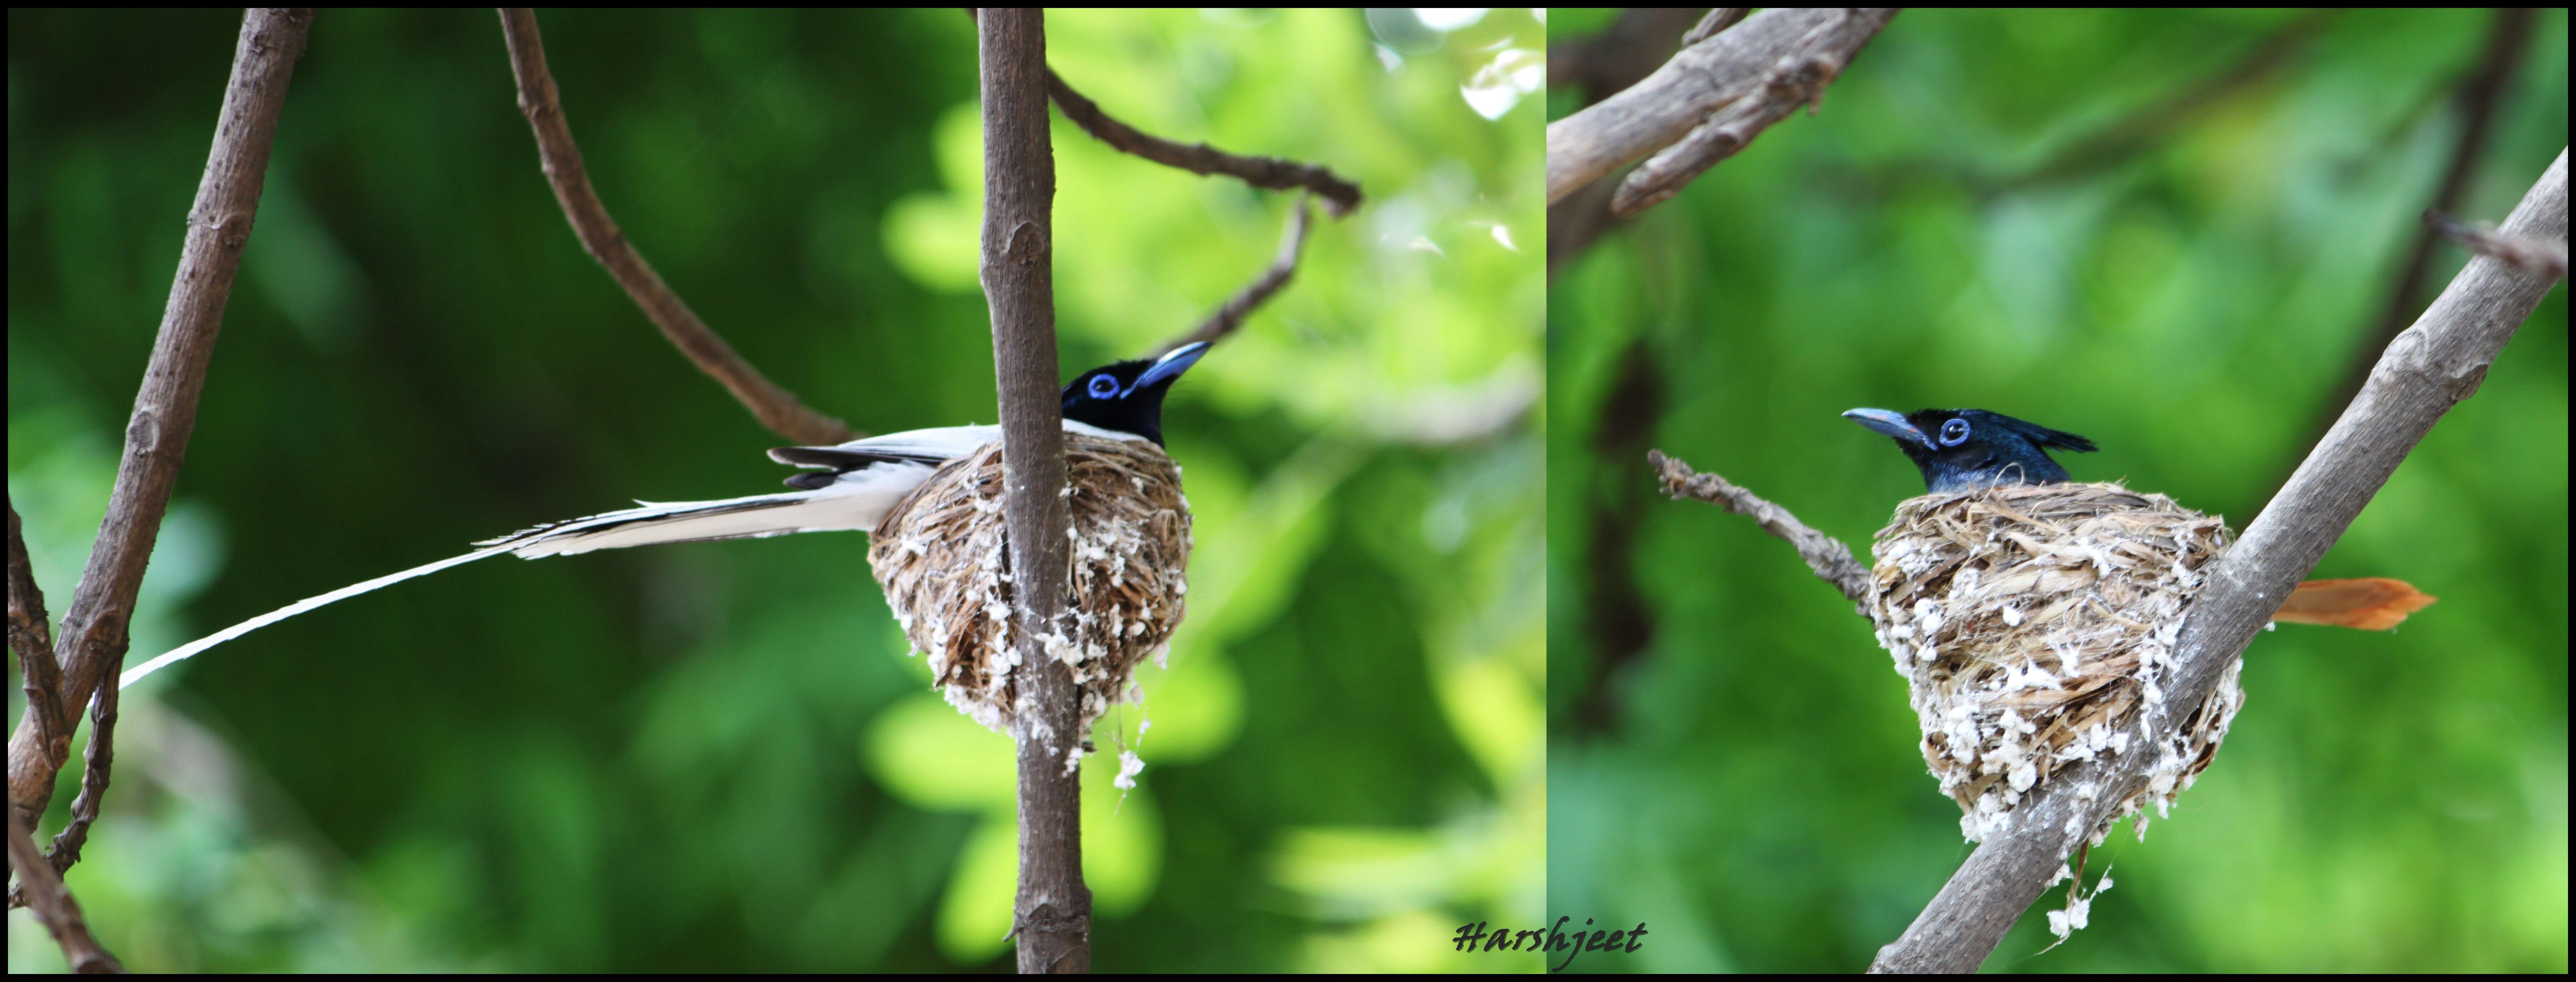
2036	626
941	554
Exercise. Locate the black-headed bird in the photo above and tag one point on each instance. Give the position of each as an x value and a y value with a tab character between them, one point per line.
1964	449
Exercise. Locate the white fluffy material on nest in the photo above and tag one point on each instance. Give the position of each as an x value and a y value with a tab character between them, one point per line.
2036	627
940	554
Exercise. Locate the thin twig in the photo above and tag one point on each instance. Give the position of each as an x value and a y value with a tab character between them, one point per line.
1230	317
97	762
1827	556
54	905
1340	196
539	101
2429	368
1690	88
2531	254
1051	915
1798	78
91	645
31	638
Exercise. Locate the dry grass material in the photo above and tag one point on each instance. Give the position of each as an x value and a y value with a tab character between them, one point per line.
2036	626
941	556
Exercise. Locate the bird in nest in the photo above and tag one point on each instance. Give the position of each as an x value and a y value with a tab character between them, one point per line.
931	500
2035	618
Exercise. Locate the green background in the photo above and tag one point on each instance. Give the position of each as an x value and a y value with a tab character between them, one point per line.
717	757
1745	780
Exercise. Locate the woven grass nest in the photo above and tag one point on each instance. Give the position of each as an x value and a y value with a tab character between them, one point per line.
2036	626
940	554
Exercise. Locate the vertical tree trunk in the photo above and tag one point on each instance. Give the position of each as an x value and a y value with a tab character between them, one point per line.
1052	916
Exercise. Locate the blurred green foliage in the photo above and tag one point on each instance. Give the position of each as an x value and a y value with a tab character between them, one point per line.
1732	760
717	757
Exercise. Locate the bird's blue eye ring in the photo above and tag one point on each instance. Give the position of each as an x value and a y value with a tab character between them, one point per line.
1102	387
1954	432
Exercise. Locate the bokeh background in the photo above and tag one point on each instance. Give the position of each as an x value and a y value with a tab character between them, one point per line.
2176	232
718	757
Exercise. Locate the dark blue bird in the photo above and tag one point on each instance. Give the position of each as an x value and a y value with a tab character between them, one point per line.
1967	449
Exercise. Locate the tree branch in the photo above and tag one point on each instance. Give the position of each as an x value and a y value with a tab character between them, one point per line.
92	643
1340	196
1797	79
2429	368
54	905
775	407
1052	913
2531	254
1623	54
31	638
1830	559
1768	57
1229	318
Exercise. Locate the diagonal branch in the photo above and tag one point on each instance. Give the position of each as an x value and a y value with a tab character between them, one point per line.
1596	68
1797	79
93	639
54	905
775	407
1229	317
31	638
2536	255
1780	45
1830	559
2429	368
1051	916
1340	196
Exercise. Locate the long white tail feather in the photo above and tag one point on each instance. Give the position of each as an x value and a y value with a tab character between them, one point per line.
174	655
855	501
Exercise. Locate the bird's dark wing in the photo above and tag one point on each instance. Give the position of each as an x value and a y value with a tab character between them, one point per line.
931	446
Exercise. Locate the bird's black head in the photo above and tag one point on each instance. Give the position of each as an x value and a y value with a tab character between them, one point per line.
1127	396
1966	449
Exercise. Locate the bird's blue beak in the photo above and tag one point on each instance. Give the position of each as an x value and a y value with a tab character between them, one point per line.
1171	365
1890	423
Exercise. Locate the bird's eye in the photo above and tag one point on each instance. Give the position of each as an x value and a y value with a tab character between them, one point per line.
1954	432
1102	387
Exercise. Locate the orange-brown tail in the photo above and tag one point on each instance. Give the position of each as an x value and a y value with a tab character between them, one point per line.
2371	603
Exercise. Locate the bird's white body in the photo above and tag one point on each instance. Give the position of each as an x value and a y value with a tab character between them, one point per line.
879	471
